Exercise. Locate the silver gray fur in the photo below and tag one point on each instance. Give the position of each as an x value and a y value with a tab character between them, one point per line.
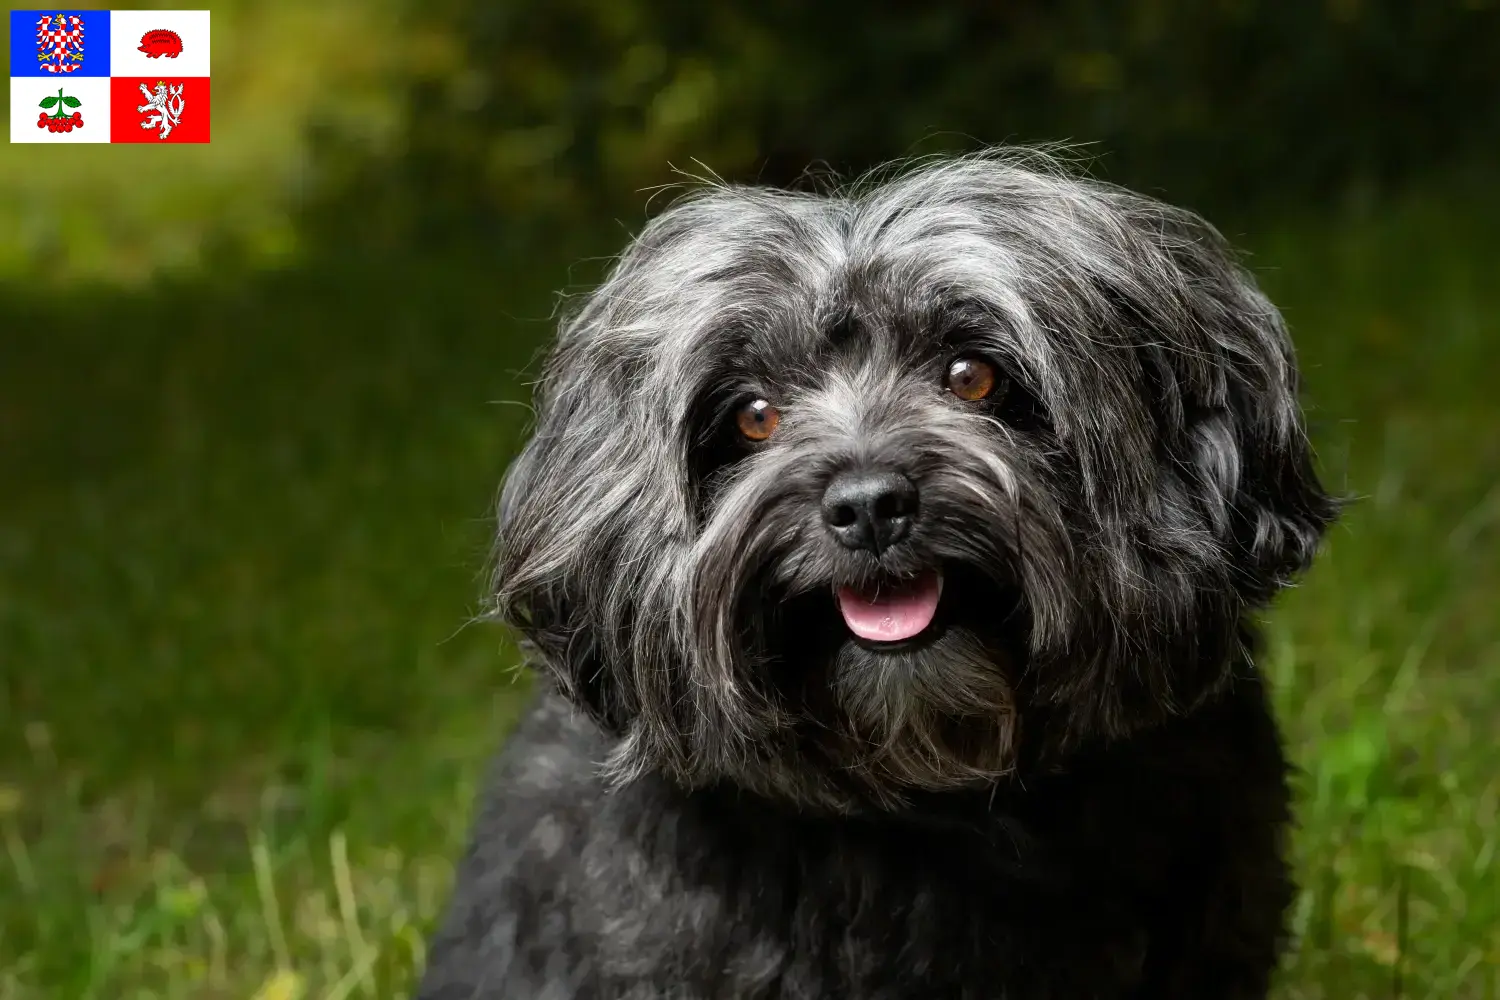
1147	522
1073	786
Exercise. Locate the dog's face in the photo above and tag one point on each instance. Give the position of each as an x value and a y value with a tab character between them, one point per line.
847	497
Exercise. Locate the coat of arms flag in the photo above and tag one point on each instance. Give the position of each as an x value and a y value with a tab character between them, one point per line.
109	76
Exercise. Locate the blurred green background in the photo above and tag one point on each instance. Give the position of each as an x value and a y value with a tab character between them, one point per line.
255	398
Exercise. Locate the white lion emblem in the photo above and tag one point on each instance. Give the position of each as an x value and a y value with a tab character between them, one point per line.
167	102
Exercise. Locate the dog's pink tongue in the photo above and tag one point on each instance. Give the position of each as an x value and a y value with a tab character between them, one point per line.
890	613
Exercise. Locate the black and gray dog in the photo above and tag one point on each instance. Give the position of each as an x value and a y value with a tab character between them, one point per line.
889	558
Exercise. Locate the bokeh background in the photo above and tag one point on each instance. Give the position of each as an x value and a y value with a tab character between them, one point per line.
255	398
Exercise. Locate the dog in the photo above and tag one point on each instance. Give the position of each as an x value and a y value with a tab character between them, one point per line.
889	556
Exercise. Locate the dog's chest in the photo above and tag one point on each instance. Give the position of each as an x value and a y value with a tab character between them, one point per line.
701	910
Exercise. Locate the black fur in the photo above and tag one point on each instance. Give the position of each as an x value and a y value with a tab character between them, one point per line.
1070	786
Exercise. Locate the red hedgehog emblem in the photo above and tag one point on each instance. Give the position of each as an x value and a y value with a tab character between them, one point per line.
161	42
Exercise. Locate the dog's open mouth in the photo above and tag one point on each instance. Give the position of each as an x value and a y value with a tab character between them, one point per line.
891	611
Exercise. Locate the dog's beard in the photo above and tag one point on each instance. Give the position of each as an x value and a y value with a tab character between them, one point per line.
933	711
929	702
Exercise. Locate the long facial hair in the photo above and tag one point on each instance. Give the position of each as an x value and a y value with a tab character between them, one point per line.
1103	526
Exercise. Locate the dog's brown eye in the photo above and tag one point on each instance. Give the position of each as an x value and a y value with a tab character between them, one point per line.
757	419
972	379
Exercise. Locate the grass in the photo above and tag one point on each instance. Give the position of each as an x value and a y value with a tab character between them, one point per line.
242	717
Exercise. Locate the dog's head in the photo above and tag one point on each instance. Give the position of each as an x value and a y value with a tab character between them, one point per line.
845	497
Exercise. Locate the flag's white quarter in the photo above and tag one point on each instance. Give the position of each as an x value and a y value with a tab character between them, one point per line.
28	92
127	27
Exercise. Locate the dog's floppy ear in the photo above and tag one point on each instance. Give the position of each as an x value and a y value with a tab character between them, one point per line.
1278	509
542	610
1246	440
1218	366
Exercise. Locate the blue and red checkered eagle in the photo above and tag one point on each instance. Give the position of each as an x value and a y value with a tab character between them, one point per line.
59	42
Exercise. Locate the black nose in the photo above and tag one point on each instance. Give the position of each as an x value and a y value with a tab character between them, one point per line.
870	510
